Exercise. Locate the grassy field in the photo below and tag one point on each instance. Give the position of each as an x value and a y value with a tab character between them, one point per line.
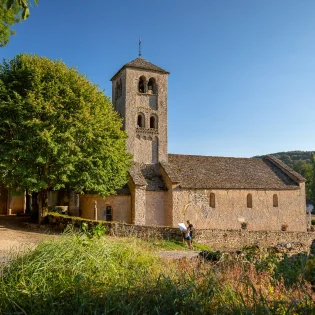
93	274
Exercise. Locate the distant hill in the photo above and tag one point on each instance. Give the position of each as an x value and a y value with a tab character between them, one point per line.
291	157
300	161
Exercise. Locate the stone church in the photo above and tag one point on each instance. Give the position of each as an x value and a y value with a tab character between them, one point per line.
166	189
212	192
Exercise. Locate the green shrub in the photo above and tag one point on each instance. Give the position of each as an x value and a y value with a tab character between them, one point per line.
310	270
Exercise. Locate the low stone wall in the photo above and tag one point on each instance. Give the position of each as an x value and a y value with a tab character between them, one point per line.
237	239
214	238
117	228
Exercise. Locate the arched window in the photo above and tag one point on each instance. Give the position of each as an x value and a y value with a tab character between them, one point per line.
275	200
108	213
116	90
152	86
249	201
142	84
153	122
140	121
120	88
212	200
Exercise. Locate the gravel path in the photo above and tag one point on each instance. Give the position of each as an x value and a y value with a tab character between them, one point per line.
16	233
178	254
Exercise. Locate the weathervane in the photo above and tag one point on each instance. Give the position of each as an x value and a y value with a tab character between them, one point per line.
139	46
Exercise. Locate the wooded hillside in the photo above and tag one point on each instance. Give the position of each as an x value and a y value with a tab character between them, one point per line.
291	157
301	162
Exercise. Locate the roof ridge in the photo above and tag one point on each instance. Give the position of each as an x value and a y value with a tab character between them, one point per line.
216	156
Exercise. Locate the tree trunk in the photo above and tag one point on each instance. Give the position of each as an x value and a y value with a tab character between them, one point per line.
43	205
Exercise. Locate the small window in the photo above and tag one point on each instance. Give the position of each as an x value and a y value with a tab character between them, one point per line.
249	201
108	214
140	121
275	200
141	86
153	123
120	88
152	86
212	200
116	90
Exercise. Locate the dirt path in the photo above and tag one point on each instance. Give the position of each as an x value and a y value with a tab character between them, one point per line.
178	254
15	232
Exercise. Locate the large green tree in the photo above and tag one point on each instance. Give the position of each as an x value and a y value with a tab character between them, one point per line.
58	130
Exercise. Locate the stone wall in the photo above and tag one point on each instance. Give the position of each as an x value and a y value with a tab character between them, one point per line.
231	208
214	238
121	207
147	145
237	239
17	204
155	207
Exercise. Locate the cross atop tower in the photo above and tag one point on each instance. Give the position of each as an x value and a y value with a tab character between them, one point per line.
140	47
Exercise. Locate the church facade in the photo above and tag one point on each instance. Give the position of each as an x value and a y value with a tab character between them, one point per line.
166	189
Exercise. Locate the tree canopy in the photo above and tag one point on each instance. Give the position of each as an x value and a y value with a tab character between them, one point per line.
22	4
8	17
57	130
12	12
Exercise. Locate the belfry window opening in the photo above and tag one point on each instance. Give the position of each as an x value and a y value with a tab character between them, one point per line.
152	86
142	85
140	121
153	122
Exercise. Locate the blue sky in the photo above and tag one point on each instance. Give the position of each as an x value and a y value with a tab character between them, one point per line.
242	79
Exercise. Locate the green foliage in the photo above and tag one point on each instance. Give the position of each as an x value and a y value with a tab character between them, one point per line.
58	130
23	5
12	12
310	270
301	162
122	276
8	17
97	231
312	181
291	269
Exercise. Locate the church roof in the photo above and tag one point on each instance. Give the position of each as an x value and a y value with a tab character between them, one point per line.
209	172
147	175
140	63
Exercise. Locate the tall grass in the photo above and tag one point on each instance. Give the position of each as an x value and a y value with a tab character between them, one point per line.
78	275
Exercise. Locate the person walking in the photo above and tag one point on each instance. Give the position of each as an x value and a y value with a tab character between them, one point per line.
191	228
188	238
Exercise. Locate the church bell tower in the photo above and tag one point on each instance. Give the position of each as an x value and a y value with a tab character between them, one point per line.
139	94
